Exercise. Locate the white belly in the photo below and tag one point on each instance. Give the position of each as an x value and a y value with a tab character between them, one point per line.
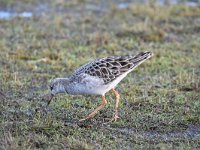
113	84
90	85
93	86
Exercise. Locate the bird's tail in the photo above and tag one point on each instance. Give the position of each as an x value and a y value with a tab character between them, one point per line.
138	59
128	63
141	56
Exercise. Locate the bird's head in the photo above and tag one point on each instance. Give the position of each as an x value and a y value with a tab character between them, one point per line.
57	85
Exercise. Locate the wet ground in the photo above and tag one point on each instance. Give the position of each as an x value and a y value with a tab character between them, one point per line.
18	9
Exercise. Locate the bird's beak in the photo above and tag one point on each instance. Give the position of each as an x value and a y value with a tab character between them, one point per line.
50	98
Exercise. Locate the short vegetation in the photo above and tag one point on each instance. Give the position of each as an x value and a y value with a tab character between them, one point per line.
160	100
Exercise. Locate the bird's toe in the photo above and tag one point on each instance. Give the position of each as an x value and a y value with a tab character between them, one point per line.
115	118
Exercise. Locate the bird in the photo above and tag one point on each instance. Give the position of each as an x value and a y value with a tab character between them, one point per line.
97	78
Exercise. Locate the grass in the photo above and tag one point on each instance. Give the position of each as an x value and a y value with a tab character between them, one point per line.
160	100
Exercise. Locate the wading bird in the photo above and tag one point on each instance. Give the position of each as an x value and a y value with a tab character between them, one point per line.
97	78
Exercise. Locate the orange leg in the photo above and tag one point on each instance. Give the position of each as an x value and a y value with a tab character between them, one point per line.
117	104
91	115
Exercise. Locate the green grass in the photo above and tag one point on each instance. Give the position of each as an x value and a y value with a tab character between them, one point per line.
160	100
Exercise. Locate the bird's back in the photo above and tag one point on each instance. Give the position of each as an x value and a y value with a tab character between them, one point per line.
110	68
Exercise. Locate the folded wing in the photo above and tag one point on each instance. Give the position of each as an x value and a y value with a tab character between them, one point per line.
112	67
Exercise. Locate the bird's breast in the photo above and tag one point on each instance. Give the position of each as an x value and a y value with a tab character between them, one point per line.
87	85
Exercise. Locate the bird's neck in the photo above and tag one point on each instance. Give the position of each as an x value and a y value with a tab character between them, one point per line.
63	83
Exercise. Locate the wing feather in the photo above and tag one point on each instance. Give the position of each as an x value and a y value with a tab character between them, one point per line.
110	68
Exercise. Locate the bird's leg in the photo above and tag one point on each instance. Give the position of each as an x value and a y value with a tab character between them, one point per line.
91	115
116	105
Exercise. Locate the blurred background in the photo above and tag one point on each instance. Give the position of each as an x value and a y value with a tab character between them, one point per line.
44	39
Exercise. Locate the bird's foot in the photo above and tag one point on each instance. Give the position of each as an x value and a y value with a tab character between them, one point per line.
88	117
82	119
115	118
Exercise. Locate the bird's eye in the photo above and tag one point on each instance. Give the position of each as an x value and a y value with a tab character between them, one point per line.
51	88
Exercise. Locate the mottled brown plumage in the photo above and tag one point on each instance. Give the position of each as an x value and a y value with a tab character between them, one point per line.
98	77
110	68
